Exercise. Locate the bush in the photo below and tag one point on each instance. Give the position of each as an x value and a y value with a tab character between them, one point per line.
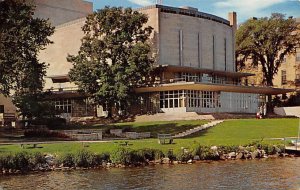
44	133
37	158
84	159
206	153
67	160
120	156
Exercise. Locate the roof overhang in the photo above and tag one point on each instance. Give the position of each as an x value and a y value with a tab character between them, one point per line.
59	78
214	87
173	68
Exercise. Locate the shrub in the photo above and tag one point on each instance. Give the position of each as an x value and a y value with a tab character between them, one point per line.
120	156
184	156
21	161
67	160
84	159
206	153
37	158
43	132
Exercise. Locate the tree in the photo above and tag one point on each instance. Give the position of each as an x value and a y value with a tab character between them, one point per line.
267	41
115	56
21	38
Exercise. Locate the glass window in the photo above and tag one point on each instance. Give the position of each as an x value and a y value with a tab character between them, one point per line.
283	77
1	108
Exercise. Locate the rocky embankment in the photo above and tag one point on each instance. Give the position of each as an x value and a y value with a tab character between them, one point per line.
25	162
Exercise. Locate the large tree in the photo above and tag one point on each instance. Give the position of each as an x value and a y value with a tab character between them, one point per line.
267	41
115	56
21	38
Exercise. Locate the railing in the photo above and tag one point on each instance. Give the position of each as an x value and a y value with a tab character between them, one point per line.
202	80
68	89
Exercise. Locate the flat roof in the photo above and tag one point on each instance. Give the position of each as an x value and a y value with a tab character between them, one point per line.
188	11
214	87
173	68
59	78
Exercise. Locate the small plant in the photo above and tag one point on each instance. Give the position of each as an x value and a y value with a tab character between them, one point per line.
84	159
67	160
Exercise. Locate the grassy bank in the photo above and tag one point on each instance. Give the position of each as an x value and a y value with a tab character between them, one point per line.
230	132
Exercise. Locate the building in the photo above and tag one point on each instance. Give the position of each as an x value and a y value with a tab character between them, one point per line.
58	12
195	62
288	75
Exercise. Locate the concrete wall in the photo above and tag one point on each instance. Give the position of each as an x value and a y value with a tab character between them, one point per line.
199	38
66	41
292	111
62	11
8	105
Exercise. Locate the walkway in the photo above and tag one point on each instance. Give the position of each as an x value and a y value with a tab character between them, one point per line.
197	129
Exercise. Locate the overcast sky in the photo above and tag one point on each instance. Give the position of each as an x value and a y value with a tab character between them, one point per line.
244	8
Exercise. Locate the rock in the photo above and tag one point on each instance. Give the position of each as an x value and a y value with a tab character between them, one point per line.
231	155
190	161
241	148
165	160
175	162
255	154
196	157
240	155
223	156
214	148
277	150
49	159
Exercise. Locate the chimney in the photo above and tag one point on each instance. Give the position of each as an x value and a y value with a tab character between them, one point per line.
232	20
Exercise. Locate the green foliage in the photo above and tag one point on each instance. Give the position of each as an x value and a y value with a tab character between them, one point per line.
267	41
204	152
67	160
21	38
84	159
32	105
114	57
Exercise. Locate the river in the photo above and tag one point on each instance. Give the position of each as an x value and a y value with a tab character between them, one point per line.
248	174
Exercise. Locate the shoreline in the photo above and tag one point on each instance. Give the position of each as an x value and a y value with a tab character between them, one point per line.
25	163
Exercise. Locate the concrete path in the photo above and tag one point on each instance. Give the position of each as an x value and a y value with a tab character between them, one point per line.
197	129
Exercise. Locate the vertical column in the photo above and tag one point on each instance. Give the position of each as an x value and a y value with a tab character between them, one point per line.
214	53
225	53
199	50
180	47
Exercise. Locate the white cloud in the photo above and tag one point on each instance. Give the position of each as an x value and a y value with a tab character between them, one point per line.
142	2
248	5
246	8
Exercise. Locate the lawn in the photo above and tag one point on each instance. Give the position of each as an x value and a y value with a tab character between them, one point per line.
230	132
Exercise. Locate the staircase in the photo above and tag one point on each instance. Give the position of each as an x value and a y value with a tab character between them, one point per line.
197	129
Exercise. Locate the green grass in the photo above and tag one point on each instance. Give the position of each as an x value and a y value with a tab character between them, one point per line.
230	132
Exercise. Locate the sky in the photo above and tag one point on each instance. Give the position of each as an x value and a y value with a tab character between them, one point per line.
245	8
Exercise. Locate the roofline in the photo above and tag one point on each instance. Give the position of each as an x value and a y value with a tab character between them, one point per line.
207	71
214	87
190	12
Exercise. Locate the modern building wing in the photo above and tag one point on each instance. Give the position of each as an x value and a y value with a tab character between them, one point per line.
195	67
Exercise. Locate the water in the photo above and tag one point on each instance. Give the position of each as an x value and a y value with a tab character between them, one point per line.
254	174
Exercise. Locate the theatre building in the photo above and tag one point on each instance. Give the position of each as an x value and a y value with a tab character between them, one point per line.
195	64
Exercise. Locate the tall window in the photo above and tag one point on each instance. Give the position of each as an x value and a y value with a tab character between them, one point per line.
1	108
283	77
64	105
172	99
298	55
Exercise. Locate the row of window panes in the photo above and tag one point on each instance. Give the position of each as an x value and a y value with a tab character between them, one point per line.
172	99
64	106
175	99
194	77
